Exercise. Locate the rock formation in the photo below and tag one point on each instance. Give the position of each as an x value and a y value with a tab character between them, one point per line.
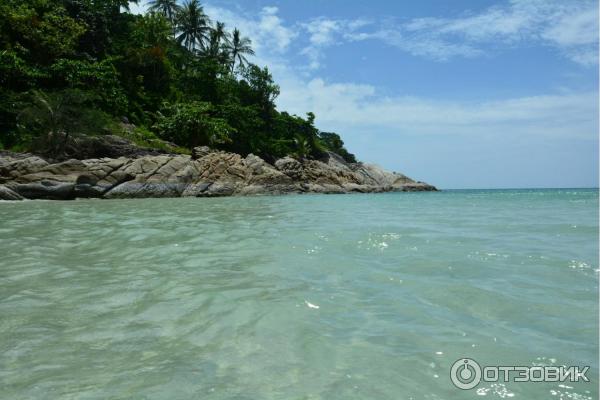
206	173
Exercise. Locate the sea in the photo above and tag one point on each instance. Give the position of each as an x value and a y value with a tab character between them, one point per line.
362	296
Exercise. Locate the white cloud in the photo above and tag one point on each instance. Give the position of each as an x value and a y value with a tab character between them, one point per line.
314	55
577	28
324	32
571	27
429	46
273	31
576	34
270	10
351	108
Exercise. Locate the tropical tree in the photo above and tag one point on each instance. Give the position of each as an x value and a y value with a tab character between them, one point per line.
219	39
192	26
238	48
262	90
168	8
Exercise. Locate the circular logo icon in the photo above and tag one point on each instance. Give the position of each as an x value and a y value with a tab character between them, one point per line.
465	373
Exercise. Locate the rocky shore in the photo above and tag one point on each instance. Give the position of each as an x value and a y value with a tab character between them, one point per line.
206	173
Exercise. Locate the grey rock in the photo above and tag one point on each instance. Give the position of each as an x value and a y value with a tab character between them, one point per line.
47	190
196	189
200	151
219	189
85	190
15	165
290	167
8	194
135	189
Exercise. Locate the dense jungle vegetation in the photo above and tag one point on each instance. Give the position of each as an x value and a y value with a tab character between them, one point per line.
89	67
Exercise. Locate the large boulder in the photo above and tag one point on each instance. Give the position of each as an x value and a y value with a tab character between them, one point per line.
15	165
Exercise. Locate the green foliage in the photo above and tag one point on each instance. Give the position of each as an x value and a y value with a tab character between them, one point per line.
258	87
71	67
51	118
107	29
16	73
297	136
143	137
334	142
11	104
38	30
192	124
101	76
153	30
247	127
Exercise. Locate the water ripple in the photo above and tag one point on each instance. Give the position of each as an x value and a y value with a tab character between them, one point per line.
321	297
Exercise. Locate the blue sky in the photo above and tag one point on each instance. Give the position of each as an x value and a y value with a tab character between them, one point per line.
460	94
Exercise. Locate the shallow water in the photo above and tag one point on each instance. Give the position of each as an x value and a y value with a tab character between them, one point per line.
217	298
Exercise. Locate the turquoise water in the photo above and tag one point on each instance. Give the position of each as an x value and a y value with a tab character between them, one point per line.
217	298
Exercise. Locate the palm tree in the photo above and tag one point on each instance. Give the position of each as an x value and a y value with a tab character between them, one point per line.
192	25
168	8
302	145
219	41
239	47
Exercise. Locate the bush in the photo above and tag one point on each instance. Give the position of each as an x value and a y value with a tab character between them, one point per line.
143	137
192	124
